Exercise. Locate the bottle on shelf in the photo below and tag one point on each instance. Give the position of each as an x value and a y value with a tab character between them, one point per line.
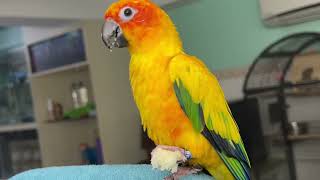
50	110
83	94
79	94
75	95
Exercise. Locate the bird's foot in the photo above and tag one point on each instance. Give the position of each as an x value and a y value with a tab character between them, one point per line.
185	154
183	171
169	158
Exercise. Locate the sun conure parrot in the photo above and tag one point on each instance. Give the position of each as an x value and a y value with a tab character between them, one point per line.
180	101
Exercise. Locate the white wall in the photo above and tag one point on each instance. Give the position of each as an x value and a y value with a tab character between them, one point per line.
304	108
32	34
232	88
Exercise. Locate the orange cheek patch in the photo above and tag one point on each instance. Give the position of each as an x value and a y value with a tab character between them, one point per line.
139	33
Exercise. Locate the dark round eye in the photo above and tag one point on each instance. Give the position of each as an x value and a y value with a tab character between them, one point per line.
128	12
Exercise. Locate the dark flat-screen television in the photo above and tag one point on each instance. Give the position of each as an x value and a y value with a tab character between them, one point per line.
58	51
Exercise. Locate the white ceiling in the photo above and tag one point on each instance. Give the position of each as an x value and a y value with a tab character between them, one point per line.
20	11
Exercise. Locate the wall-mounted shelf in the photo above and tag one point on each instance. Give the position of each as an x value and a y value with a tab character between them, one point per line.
303	94
18	127
304	137
71	67
72	120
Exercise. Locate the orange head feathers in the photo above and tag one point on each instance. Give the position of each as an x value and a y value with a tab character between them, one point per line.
143	25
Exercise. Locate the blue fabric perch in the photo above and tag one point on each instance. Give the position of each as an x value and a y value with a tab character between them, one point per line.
103	172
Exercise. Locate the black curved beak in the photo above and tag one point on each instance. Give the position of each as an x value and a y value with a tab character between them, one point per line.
112	35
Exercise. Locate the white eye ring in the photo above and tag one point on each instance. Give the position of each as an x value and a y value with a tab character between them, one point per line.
127	13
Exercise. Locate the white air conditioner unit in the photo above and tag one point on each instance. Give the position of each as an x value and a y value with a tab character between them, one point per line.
287	12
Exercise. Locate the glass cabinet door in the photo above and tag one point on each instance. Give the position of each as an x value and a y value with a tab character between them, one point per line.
15	95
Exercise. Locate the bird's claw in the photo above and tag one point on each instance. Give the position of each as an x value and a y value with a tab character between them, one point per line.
183	171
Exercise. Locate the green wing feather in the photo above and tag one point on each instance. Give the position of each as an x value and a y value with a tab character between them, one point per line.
191	109
233	155
206	108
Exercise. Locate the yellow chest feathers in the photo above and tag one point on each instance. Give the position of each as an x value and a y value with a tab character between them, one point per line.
154	95
150	82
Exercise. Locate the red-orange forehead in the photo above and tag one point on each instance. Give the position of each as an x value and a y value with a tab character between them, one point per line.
146	10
